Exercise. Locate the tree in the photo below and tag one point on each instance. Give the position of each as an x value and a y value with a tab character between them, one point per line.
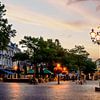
21	57
44	51
78	57
90	66
6	31
31	44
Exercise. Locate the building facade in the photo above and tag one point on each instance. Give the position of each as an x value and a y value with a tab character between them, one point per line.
7	55
98	64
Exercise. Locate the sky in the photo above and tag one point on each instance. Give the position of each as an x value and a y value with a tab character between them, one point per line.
70	21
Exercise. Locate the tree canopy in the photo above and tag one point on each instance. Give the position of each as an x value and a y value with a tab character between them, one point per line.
79	59
51	52
6	31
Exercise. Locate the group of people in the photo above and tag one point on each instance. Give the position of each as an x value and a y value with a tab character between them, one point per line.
80	79
34	80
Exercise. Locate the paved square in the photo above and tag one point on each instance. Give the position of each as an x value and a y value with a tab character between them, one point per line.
49	91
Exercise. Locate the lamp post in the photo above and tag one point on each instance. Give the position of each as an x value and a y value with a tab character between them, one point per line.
58	70
64	71
95	37
18	69
15	69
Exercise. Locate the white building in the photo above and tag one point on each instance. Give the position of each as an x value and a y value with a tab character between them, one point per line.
6	55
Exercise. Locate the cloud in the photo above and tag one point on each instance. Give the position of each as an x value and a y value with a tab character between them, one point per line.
97	2
77	9
23	15
60	5
78	23
75	1
98	8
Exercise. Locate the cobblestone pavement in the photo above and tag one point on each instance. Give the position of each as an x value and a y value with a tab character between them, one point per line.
49	91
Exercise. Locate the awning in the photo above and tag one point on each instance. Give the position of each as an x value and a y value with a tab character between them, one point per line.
30	71
8	72
3	71
46	71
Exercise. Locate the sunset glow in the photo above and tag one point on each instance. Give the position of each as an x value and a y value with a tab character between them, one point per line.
70	21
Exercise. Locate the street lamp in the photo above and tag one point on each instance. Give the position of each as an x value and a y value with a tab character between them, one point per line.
58	70
95	37
64	70
15	68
